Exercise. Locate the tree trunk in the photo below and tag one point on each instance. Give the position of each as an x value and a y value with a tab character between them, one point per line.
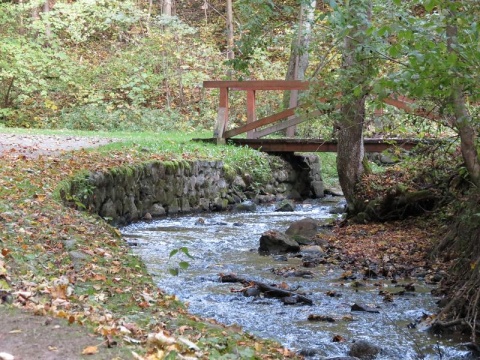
298	62
21	26
48	30
167	7
230	54
350	151
299	55
462	118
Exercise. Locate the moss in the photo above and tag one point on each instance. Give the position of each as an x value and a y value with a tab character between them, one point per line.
170	166
185	165
229	173
123	171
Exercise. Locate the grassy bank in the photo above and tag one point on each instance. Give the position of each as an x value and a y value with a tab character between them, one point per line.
62	262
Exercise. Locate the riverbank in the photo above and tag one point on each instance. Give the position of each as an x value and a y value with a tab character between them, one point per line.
64	263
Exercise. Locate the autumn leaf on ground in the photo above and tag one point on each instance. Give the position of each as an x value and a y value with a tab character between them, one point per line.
90	350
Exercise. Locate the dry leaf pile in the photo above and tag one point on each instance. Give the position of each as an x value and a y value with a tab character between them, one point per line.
393	250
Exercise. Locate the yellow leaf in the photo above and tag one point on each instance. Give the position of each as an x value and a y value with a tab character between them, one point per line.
62	314
39	197
90	350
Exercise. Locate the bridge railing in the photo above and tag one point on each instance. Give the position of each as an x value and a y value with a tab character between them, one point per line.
251	87
284	119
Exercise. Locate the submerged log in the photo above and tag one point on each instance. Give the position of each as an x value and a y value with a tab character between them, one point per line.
267	290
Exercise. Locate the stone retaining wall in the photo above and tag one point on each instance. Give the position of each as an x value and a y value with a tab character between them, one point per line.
127	194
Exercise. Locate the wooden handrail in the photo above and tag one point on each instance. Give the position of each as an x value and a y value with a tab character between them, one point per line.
251	86
261	122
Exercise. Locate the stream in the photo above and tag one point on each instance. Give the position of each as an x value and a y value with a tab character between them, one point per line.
228	243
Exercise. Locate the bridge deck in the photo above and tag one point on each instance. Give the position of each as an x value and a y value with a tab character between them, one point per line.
315	145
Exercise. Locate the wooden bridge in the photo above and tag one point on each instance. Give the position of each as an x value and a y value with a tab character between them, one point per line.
256	129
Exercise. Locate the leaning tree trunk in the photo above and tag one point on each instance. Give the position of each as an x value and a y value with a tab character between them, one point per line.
462	119
463	240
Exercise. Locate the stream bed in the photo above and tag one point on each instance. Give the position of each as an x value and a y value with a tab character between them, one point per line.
228	242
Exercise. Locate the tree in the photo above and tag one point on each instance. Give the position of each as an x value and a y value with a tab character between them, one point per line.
463	121
167	7
354	78
299	54
439	47
230	54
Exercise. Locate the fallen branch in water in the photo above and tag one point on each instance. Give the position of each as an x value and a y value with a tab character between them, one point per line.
267	290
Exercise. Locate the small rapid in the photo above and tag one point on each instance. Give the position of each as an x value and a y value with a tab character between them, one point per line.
228	243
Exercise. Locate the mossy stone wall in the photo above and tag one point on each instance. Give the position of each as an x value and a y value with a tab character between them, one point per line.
131	193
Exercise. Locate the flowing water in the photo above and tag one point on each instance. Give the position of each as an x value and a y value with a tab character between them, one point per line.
228	242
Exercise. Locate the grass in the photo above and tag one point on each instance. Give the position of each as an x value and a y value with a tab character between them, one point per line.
178	145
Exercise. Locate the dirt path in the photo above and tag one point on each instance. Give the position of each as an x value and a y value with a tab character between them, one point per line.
32	146
27	337
24	335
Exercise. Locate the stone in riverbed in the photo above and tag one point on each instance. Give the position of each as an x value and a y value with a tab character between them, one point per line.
286	205
246	206
303	231
252	291
157	210
364	350
365	308
276	242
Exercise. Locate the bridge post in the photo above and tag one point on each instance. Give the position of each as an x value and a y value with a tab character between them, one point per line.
290	132
222	116
251	112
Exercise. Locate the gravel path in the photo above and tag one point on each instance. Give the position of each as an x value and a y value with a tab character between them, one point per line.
32	146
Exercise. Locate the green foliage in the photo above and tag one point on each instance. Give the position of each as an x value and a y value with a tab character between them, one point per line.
182	265
113	65
262	25
420	44
28	71
85	20
99	117
245	160
328	163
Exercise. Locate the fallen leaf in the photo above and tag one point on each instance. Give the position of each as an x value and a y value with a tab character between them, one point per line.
90	350
39	197
161	338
